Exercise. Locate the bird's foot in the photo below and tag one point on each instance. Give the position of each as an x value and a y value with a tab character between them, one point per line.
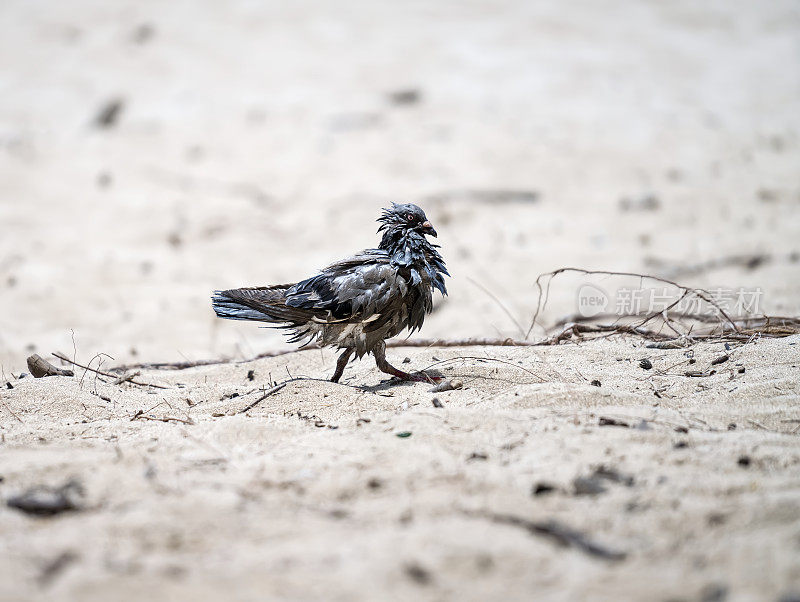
386	367
424	377
418	377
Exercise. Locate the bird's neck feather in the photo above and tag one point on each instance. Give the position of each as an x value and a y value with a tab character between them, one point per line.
400	242
409	249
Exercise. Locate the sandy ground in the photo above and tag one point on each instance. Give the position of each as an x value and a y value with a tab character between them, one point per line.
254	143
314	493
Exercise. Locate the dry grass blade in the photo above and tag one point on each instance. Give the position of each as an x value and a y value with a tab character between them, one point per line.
500	304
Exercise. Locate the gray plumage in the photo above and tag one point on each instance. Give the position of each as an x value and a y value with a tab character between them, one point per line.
357	303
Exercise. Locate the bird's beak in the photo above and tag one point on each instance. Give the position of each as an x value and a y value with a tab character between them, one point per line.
427	228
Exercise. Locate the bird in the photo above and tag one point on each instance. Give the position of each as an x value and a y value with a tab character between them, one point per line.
355	304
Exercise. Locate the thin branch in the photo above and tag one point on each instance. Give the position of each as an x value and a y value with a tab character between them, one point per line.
271	391
739	330
126	377
140	415
473	342
107	374
700	293
10	411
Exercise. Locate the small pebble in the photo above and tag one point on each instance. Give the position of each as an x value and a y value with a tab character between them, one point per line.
720	360
418	574
588	486
49	501
605	421
447	385
609	473
714	592
543	488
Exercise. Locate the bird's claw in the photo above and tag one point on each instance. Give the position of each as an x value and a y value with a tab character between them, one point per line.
427	378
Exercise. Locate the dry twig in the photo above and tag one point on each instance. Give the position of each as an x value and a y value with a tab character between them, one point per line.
699	293
140	415
472	342
269	392
107	374
681	325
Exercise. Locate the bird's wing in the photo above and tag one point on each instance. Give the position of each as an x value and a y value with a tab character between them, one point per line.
356	289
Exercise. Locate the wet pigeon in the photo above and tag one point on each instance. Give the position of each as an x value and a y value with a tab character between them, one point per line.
357	303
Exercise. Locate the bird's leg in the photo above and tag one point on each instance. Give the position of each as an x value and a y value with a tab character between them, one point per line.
341	363
380	360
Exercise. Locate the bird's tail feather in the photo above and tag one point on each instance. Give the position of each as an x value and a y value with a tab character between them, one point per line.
265	304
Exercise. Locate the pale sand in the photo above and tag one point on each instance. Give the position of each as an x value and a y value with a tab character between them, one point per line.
271	504
257	144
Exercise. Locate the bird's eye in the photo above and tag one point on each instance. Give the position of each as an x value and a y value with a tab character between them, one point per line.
411	217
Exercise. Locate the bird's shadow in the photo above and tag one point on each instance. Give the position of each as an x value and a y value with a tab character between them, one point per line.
394	382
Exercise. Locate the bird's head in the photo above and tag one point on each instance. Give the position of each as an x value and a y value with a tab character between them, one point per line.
406	217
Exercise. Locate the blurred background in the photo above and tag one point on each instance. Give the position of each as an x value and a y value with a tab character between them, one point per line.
151	152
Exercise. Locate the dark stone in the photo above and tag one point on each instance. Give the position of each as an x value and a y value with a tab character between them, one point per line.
714	592
543	488
418	574
720	360
605	421
405	97
49	501
609	473
588	486
109	113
